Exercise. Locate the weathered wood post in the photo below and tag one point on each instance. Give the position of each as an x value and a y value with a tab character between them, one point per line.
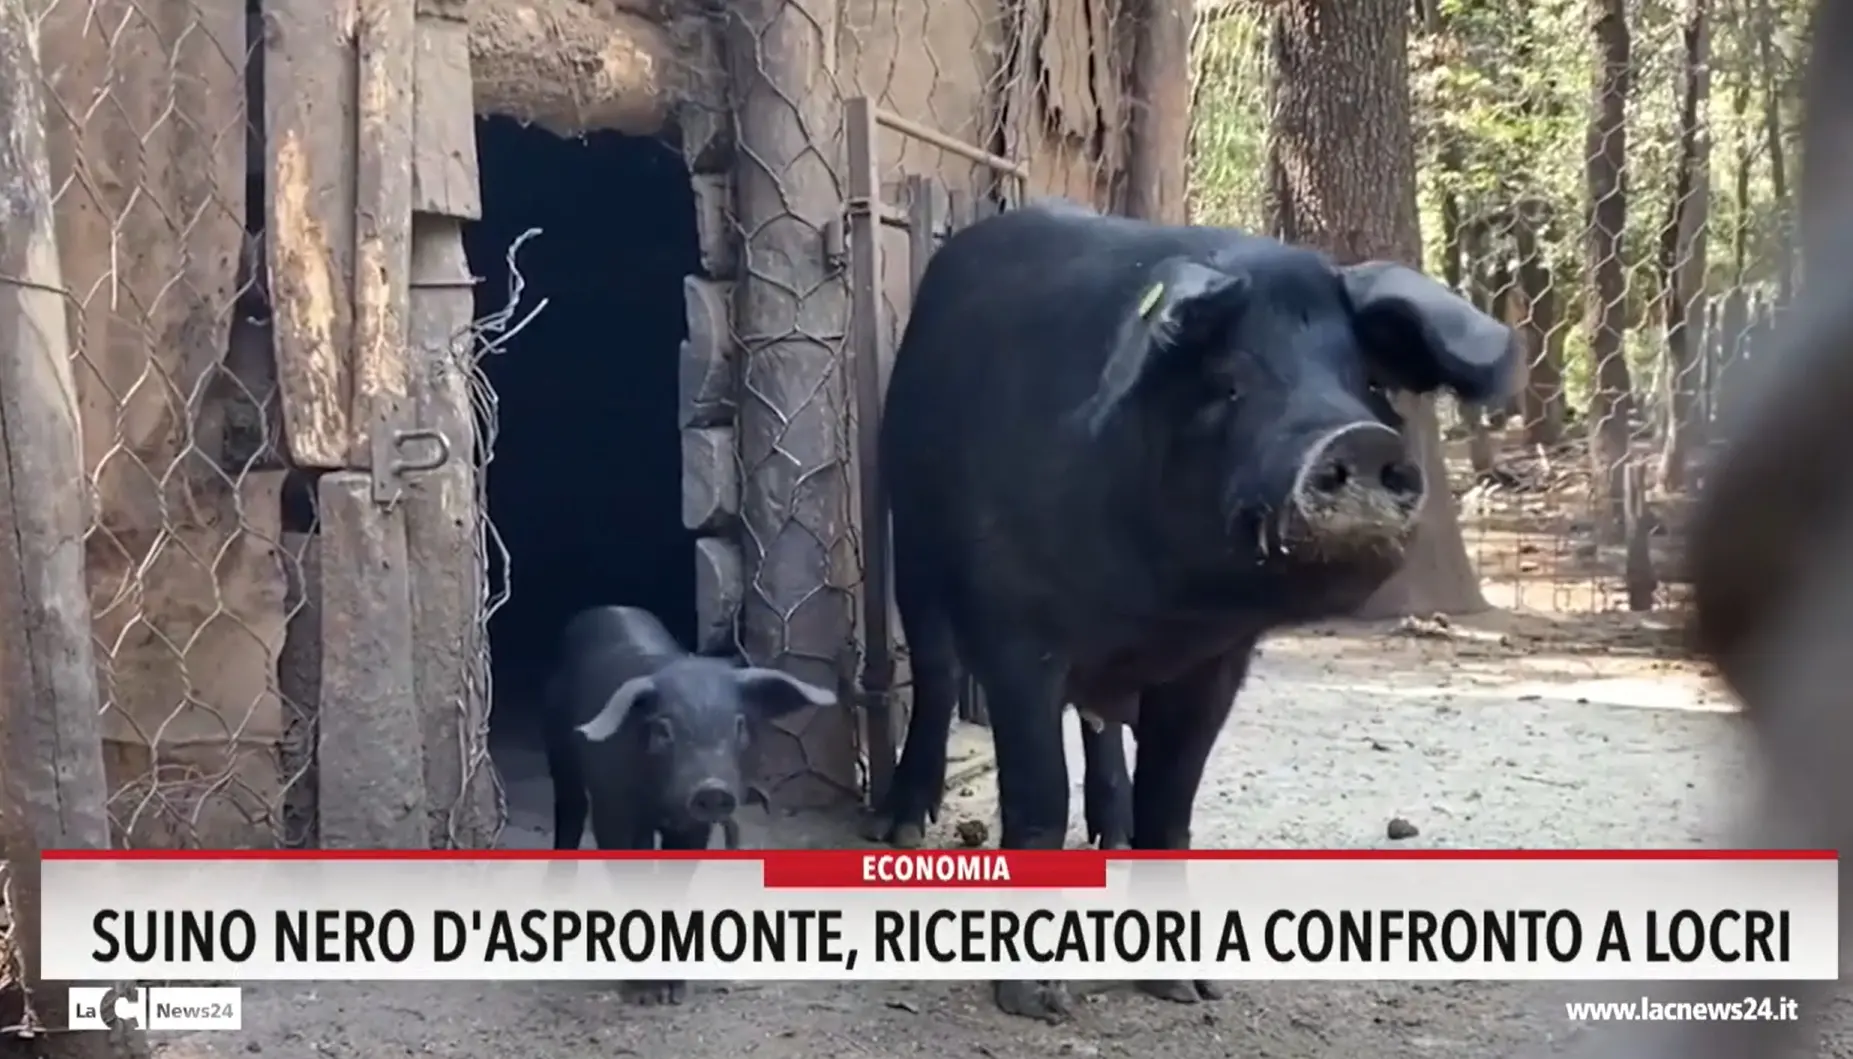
443	521
1160	142
339	233
371	750
1639	576
52	792
791	314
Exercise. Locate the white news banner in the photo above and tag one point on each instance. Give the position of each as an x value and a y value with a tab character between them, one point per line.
848	915
158	1007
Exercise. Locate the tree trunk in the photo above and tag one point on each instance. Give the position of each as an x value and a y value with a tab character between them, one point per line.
1533	313
1481	288
1276	207
1155	182
1746	160
1611	400
1346	151
1734	314
1762	27
1464	252
1448	160
1683	251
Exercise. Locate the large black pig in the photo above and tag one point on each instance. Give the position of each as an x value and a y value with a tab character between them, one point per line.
1115	455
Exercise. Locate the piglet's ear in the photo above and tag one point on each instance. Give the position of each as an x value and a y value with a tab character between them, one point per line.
772	692
1181	312
617	708
1424	336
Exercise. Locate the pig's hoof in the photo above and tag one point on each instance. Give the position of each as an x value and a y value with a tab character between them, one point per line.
1180	991
652	993
907	835
1047	1001
899	833
1110	828
875	827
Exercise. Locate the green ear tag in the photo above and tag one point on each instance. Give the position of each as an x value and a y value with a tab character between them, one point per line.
1150	301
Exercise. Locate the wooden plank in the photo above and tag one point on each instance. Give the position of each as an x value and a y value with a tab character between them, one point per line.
710	479
309	114
444	171
867	322
571	67
719	588
701	106
443	522
51	751
383	235
370	753
960	209
443	525
706	379
299	682
714	227
926	215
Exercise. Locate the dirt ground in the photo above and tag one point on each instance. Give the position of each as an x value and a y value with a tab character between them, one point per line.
1503	731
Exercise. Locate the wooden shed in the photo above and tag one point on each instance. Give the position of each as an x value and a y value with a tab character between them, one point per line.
315	459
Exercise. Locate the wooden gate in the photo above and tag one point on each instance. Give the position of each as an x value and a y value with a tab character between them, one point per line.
927	210
372	305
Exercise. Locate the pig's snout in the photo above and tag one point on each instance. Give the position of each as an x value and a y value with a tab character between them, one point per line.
1357	489
712	802
1365	456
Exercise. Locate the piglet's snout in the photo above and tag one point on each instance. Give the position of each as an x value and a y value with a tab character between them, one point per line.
1358	481
712	802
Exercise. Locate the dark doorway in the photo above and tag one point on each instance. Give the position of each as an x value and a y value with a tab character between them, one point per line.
585	480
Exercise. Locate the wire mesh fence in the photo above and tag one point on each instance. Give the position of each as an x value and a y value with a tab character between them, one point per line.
198	557
790	323
961	94
1772	581
199	527
186	556
1610	178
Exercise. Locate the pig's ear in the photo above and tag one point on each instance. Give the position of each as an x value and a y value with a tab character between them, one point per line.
1424	336
617	708
1182	311
773	692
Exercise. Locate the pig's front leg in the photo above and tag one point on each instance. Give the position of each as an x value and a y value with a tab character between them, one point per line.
648	992
1178	723
674	991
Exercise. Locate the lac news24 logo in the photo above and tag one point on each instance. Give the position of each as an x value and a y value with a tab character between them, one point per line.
190	1007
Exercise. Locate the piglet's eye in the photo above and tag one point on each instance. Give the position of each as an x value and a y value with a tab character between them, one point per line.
661	736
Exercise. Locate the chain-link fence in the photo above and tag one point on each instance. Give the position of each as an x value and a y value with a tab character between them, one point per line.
1611	177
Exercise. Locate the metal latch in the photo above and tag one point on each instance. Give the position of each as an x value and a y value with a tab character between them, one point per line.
392	440
835	240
